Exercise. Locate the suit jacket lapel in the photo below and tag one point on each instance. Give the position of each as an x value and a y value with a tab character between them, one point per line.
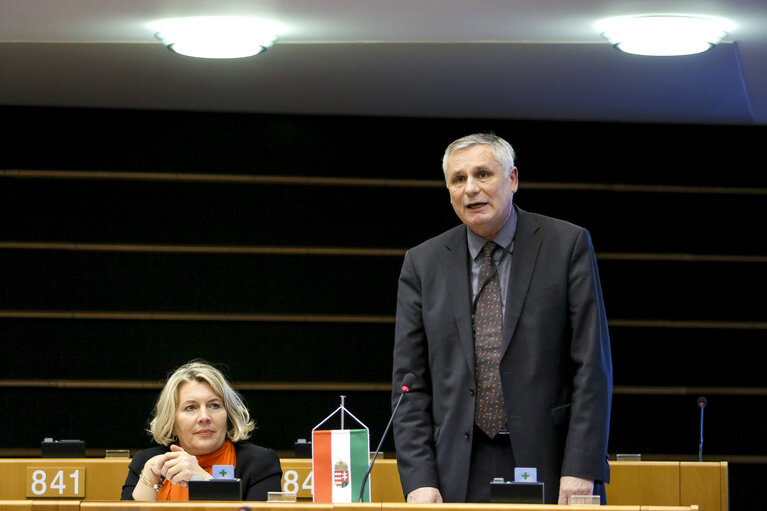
526	246
455	265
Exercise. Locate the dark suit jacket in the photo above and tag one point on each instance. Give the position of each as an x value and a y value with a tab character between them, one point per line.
258	469
556	369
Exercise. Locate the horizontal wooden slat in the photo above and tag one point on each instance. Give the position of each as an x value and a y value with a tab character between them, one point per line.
358	181
221	178
198	316
242	386
689	391
679	324
361	387
337	251
340	318
202	249
676	257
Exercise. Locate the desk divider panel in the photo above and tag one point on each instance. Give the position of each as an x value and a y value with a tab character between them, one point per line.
704	484
103	477
648	482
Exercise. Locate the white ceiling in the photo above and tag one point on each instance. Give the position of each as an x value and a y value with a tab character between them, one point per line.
519	59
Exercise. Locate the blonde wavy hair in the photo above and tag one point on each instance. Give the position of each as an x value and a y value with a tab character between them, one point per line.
163	423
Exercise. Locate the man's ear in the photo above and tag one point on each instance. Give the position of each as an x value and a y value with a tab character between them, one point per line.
514	176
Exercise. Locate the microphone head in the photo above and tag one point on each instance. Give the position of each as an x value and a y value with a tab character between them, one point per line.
702	402
407	382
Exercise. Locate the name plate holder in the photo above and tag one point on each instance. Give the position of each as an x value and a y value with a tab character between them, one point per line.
55	482
516	493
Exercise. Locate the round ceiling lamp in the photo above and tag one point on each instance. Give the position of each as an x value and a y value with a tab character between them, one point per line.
664	35
216	37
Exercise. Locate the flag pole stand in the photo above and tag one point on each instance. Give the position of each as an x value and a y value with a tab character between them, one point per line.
340	458
343	410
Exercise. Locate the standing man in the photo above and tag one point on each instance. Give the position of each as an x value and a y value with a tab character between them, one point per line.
501	322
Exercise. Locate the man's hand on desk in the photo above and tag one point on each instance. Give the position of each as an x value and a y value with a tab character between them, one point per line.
569	485
424	495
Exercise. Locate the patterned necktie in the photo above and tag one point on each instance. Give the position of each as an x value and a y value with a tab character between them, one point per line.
488	324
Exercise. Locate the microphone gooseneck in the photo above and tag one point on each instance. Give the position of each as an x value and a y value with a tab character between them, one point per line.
407	382
702	402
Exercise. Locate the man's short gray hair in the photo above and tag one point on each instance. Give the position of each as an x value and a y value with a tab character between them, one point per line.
502	150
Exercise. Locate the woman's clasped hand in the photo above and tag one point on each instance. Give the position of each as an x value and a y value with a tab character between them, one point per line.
177	466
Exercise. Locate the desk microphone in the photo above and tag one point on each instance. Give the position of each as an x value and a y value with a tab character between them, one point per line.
407	382
702	402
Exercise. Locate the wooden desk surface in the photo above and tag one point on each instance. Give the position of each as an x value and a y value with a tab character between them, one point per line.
649	483
203	506
385	506
376	506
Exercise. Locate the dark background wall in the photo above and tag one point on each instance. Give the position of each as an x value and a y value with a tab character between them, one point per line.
272	244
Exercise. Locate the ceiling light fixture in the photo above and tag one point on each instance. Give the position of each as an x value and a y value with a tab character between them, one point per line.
216	37
662	35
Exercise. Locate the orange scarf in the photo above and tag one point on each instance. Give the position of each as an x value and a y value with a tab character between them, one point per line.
224	456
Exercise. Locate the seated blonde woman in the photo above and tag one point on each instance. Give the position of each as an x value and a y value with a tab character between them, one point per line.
199	421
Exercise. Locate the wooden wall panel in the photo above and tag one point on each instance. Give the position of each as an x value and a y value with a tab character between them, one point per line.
674	213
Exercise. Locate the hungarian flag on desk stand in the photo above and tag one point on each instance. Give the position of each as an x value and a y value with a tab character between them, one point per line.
340	460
